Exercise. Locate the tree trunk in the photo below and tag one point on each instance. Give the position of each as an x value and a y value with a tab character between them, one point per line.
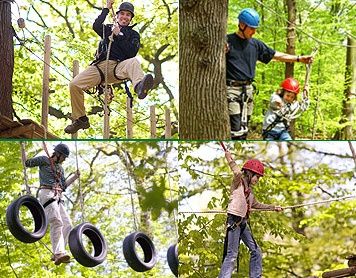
203	102
6	60
291	35
348	109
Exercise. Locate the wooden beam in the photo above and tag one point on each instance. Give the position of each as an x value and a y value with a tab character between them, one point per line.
18	132
45	83
168	127
129	120
153	120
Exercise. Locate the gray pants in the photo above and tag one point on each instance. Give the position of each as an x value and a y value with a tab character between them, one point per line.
240	104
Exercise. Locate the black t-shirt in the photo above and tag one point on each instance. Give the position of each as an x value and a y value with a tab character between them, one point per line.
243	55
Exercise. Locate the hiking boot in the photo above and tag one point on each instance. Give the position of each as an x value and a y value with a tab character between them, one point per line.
144	86
61	258
76	125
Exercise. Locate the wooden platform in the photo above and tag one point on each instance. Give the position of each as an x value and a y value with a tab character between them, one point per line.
23	129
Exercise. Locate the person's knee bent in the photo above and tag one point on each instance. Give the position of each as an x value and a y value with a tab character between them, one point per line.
56	222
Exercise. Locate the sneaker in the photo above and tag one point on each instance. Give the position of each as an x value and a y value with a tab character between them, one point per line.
61	258
76	125
144	86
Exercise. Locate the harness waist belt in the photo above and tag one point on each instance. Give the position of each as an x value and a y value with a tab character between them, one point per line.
237	83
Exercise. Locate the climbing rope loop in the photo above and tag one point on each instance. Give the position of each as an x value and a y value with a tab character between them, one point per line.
172	258
15	226
131	256
77	248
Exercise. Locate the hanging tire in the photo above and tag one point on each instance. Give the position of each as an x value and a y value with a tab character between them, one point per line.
38	215
172	258
130	254
75	242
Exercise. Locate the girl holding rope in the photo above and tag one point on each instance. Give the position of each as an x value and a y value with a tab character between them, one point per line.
52	184
241	202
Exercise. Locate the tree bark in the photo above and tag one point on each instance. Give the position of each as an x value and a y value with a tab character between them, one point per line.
348	108
6	60
291	35
203	101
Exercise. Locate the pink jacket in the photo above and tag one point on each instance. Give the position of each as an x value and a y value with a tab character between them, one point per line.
238	204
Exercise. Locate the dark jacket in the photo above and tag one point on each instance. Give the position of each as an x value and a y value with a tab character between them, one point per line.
124	46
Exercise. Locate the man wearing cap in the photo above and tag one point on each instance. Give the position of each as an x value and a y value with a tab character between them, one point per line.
122	63
242	54
52	184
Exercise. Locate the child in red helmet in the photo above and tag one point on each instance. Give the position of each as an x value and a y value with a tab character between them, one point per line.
283	108
241	201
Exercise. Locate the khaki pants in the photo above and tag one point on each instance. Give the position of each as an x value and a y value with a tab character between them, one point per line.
59	221
90	77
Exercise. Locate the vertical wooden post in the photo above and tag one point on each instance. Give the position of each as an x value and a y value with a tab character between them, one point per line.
168	131
129	120
75	73
153	122
45	86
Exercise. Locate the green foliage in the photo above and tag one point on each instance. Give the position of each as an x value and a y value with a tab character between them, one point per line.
299	243
325	25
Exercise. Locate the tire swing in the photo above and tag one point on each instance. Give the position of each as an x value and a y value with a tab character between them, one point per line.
129	244
172	252
172	258
13	221
75	238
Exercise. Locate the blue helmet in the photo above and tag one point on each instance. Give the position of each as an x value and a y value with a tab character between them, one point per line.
62	149
250	17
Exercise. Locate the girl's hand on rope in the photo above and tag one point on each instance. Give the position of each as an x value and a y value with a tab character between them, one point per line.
77	174
278	208
109	3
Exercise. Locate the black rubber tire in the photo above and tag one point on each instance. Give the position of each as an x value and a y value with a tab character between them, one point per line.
75	242
38	214
172	258
133	260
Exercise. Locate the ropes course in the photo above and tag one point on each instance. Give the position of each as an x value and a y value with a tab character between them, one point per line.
104	102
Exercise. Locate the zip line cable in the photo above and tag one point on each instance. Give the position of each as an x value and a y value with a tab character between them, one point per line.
81	197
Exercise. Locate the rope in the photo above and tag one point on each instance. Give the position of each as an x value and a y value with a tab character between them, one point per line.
81	197
23	160
131	195
170	192
287	207
223	146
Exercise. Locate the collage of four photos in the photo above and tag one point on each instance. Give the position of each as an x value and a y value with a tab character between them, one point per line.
171	138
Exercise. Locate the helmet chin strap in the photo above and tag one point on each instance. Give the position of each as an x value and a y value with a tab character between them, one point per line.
243	30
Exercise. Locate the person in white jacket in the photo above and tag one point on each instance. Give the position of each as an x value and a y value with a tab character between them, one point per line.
283	108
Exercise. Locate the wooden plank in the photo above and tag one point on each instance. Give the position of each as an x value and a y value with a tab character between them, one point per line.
168	129
345	272
75	73
153	121
18	132
129	119
45	84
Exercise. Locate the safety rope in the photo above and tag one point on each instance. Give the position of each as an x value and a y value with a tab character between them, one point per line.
272	209
81	197
170	191
106	95
131	194
23	160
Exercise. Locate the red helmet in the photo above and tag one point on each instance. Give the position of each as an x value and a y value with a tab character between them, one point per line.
255	166
290	85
